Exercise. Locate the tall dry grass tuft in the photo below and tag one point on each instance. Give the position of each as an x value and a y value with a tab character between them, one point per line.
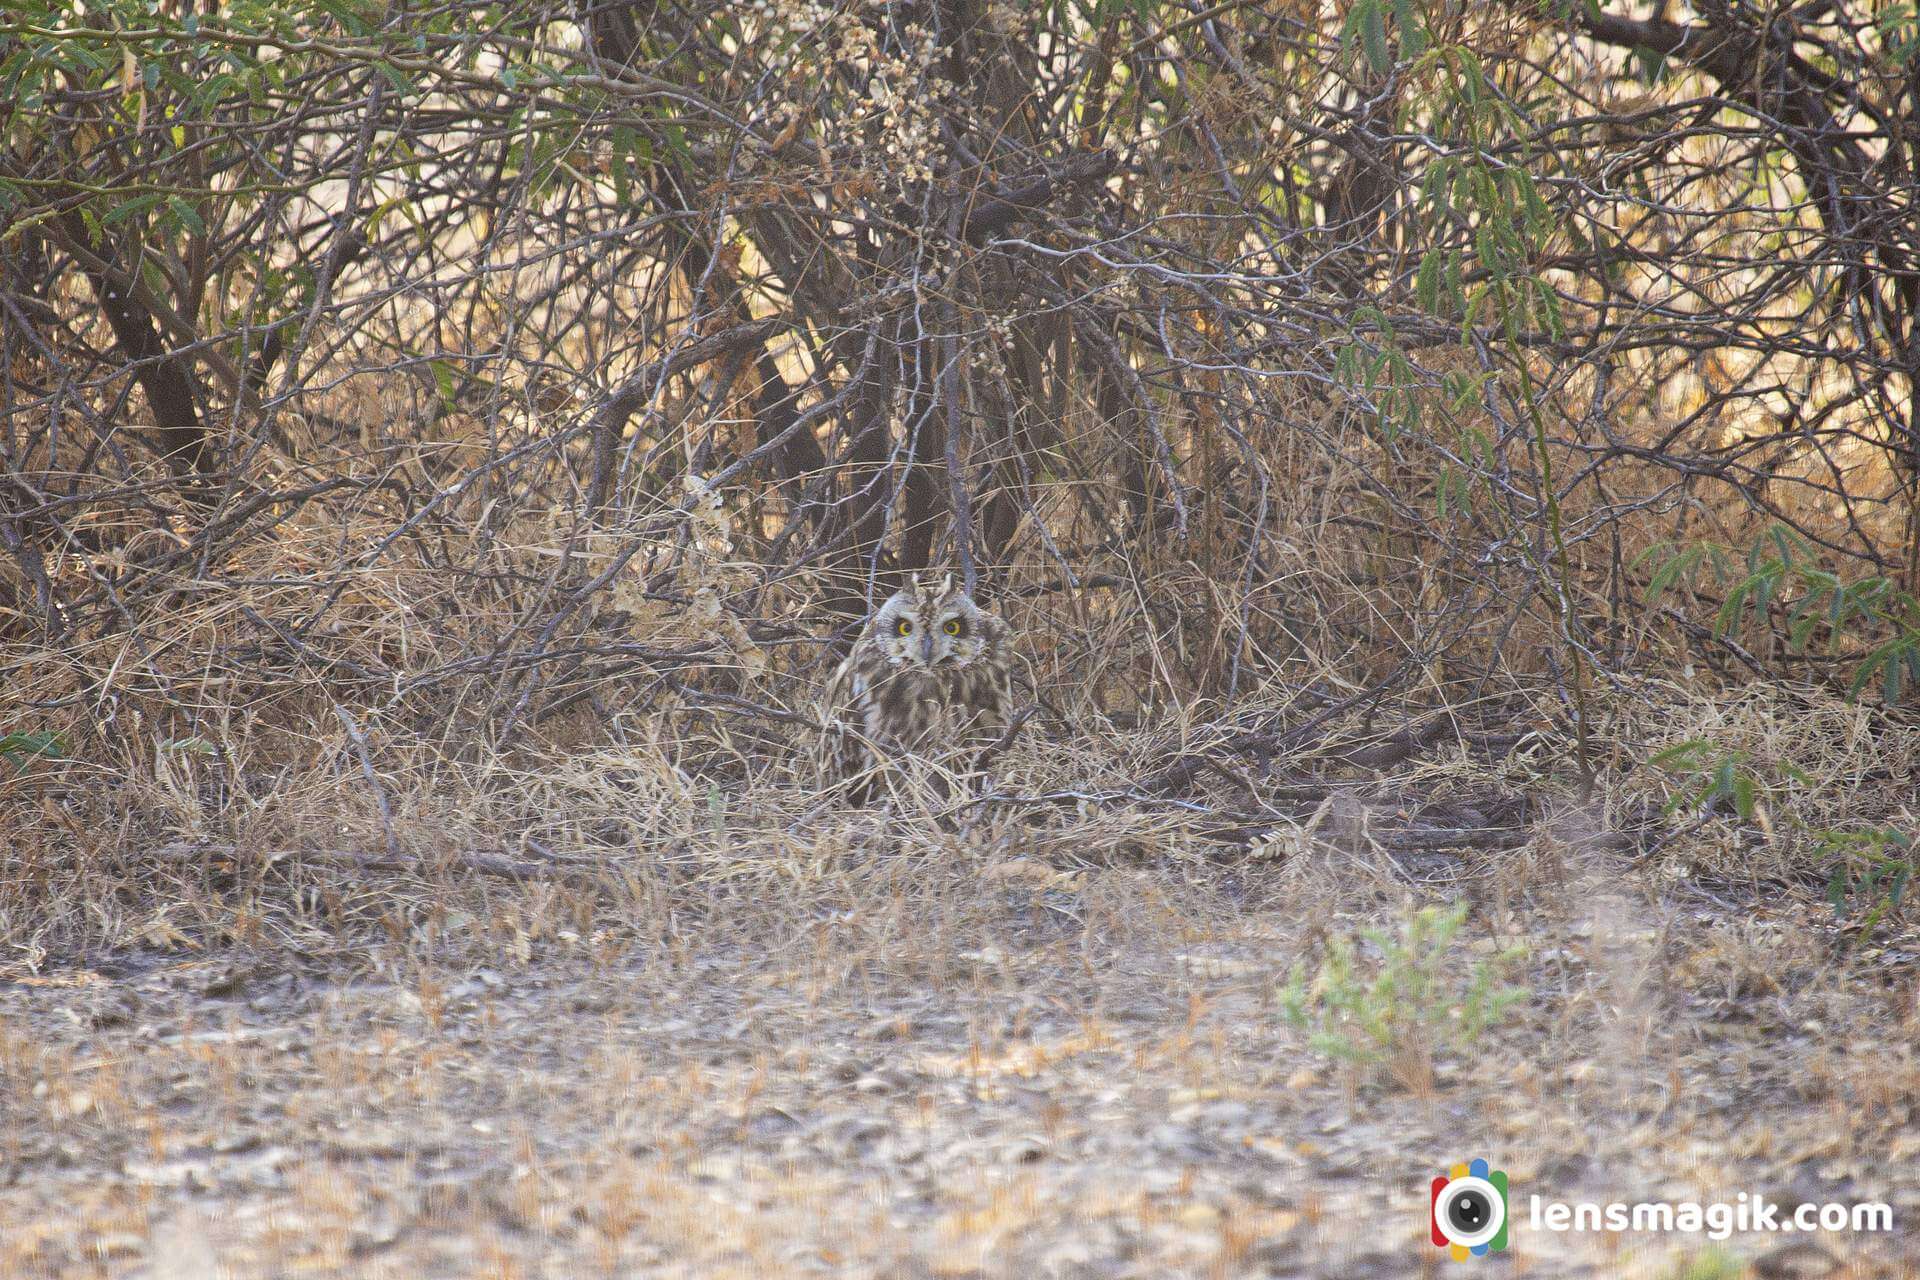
371	712
1358	503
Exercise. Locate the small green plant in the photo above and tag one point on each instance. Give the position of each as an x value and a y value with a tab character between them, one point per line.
1870	873
1900	31
1709	1264
1780	572
1397	1009
17	748
1708	777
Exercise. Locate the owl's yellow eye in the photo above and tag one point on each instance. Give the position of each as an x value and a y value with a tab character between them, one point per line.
953	627
904	627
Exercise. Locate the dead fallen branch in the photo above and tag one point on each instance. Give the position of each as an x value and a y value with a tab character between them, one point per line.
504	866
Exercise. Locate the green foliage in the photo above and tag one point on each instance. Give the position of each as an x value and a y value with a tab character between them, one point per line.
1708	1264
1415	995
1780	576
20	747
1899	27
155	146
1870	871
1375	366
1493	291
1366	29
1708	777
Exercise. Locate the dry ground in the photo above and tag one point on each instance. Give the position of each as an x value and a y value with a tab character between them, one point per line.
1047	1043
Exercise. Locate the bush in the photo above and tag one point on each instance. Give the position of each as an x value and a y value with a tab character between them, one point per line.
1411	999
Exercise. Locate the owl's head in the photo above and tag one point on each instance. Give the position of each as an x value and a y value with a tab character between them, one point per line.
936	627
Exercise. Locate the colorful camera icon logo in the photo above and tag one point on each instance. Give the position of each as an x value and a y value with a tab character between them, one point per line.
1469	1213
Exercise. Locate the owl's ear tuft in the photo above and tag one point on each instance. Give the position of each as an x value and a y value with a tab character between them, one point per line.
946	585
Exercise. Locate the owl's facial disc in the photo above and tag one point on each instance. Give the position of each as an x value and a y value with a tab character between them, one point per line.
930	630
897	630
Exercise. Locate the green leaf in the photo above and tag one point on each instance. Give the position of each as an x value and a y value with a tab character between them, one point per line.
1733	609
674	139
1682	755
351	20
1743	794
1413	32
137	205
400	79
1784	541
1723	779
1837	889
1886	655
188	215
34	743
1373	35
1426	286
1550	307
443	378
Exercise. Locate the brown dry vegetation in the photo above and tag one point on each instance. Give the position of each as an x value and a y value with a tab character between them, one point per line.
1474	468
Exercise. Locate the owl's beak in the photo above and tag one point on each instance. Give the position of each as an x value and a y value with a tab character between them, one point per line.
926	647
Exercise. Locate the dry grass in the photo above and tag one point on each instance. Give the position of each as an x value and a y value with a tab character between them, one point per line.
419	879
307	965
650	1007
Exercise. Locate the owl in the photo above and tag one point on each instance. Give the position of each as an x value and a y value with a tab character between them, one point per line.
929	680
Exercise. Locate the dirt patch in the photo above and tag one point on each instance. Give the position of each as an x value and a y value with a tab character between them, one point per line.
1092	1077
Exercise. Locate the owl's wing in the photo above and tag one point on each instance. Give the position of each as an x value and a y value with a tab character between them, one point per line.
835	698
1002	668
991	696
842	750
